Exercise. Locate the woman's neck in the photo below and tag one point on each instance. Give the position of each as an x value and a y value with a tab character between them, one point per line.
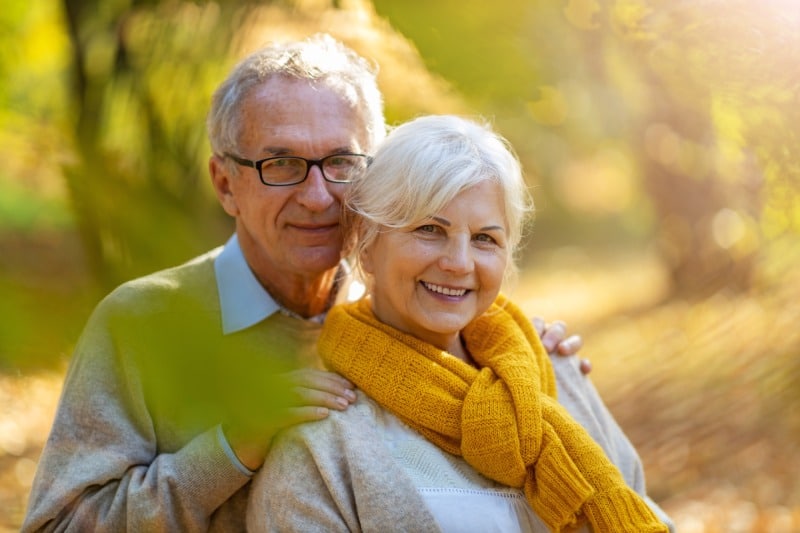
459	349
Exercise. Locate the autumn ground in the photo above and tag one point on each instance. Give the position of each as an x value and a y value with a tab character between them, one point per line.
708	391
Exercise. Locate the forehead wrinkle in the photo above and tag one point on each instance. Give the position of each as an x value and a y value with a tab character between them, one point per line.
281	151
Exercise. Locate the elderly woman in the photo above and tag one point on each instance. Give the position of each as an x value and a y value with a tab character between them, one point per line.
458	427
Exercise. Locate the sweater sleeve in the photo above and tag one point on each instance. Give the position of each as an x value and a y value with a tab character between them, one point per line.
335	475
103	469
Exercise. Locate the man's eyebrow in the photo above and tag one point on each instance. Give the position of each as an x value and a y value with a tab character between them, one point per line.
274	151
345	150
281	150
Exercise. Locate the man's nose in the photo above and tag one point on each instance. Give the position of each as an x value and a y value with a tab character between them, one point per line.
314	193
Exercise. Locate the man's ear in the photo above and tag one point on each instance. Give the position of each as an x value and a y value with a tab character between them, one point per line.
221	179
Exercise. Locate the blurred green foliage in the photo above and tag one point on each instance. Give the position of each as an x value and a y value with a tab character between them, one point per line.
141	79
645	123
669	122
33	61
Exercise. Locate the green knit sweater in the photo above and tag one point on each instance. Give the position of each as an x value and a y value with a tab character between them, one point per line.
134	444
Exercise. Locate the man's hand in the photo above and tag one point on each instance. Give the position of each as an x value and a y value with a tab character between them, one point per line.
555	341
313	394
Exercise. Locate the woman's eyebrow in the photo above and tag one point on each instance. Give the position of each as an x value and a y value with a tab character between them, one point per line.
445	222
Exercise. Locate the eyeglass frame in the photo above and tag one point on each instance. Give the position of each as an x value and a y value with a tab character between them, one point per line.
309	163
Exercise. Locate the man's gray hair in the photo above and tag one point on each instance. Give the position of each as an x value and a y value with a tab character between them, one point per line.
319	59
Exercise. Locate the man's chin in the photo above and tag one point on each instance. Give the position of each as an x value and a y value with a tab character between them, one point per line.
317	261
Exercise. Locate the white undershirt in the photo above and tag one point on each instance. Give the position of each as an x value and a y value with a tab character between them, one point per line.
459	498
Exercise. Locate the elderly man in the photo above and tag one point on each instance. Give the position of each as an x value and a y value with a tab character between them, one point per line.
171	401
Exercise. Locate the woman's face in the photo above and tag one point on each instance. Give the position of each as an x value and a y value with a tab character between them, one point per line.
430	280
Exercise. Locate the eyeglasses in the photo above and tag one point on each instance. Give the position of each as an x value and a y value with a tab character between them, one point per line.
291	170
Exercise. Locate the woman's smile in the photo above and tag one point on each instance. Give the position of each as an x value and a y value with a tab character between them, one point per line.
442	290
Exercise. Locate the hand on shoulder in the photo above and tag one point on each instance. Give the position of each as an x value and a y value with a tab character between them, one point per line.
557	343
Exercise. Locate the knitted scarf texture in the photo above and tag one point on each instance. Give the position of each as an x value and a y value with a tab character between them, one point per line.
502	418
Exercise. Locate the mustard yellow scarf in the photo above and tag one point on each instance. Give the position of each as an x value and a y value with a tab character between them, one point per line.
503	418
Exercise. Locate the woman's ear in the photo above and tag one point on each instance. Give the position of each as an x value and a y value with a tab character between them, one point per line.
365	259
349	231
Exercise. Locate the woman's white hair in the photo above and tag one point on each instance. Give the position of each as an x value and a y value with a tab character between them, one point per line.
422	166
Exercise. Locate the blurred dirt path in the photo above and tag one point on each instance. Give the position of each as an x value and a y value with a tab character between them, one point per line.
27	405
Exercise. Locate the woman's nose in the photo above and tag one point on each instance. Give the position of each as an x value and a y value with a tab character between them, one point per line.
456	256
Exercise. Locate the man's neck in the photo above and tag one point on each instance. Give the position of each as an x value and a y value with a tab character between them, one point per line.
301	295
305	294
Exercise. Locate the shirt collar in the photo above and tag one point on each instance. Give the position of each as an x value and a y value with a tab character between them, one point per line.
243	301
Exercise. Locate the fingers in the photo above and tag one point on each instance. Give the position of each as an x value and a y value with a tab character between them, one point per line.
554	337
571	345
539	325
319	388
554	341
308	397
553	334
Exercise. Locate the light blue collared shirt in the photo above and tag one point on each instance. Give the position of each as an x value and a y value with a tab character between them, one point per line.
243	301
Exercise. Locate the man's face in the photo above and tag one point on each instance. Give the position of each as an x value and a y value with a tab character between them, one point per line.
292	231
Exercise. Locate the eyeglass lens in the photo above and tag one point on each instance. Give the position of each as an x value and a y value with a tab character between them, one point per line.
282	170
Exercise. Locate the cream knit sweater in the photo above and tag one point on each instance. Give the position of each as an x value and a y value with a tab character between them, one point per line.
338	475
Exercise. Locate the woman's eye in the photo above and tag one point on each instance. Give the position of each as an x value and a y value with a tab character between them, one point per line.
427	228
484	237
